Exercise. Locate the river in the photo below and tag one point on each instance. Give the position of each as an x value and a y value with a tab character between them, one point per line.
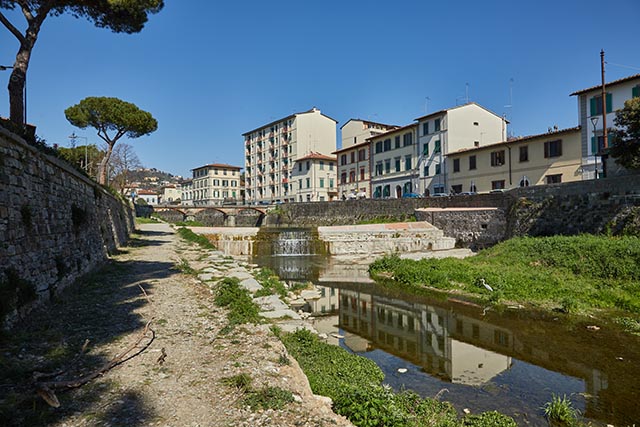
476	358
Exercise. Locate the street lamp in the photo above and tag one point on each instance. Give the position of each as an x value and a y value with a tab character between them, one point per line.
73	138
594	122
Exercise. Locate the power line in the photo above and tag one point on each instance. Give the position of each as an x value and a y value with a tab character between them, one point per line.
623	66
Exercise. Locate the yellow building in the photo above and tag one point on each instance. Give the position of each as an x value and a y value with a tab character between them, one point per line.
549	158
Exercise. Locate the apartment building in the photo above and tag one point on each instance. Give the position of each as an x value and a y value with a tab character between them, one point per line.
357	131
214	184
393	162
272	150
591	120
548	158
186	198
354	178
442	132
314	178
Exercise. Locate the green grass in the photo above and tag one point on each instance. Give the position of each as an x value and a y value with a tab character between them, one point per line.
560	412
575	274
238	300
143	220
263	398
386	220
271	285
189	224
198	239
354	383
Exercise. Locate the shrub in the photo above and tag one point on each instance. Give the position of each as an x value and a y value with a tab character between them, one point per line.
238	300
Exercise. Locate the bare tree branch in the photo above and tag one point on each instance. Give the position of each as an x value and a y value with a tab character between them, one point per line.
13	30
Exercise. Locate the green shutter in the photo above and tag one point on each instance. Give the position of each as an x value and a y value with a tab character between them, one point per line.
609	103
635	92
593	106
425	150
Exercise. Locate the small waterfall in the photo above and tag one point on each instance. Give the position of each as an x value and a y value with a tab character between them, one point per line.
288	242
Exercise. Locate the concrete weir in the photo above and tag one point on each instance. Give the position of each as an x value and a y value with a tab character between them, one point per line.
400	237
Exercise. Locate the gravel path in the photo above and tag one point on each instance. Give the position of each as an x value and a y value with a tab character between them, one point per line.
183	388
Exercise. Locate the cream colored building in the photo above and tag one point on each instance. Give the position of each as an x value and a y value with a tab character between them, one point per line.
272	150
215	184
393	161
590	114
446	131
186	198
357	131
171	194
354	179
313	178
548	158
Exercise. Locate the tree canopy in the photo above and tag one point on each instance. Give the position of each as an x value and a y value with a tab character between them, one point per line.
113	119
121	16
626	146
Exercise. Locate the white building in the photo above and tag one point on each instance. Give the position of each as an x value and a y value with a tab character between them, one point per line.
271	151
170	194
590	114
440	133
314	178
186	198
150	197
215	184
394	160
357	131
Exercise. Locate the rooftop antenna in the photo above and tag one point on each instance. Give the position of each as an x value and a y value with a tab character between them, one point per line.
510	105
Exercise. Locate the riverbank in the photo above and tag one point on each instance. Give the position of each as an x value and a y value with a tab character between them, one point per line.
584	275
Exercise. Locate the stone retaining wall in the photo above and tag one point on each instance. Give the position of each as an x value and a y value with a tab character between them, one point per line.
55	224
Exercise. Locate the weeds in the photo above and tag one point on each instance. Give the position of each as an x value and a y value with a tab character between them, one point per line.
184	267
560	411
271	285
573	274
264	398
238	300
198	239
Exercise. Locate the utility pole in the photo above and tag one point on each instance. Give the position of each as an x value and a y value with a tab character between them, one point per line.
605	142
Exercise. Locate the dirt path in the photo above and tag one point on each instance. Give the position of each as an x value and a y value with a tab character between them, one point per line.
185	389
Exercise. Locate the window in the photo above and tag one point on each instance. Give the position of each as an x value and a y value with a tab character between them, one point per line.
437	147
387	166
330	166
378	147
343	178
379	168
524	182
596	149
436	125
322	165
407	162
321	182
407	139
387	145
299	167
216	182
397	164
635	91
225	182
308	183
497	185
425	149
497	158
524	153
472	162
352	175
330	182
456	167
397	142
361	174
343	160
361	155
308	164
353	157
426	170
456	189
553	179
596	104
300	184
553	149
425	128
438	169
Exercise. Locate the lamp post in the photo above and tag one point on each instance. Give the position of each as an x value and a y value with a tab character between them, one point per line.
73	138
594	122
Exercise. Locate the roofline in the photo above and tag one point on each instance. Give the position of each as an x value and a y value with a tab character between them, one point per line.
218	165
289	117
318	156
611	83
367	121
400	129
513	141
437	113
360	144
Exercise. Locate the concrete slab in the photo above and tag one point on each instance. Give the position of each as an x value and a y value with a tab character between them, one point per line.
277	314
251	285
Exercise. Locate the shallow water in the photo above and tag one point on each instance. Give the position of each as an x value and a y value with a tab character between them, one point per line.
477	359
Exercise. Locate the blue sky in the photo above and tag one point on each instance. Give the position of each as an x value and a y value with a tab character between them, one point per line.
210	71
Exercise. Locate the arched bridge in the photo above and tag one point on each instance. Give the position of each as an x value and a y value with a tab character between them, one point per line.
214	216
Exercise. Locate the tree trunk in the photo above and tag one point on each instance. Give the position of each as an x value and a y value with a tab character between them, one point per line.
102	168
17	83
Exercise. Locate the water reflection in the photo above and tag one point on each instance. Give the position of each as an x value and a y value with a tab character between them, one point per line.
511	361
